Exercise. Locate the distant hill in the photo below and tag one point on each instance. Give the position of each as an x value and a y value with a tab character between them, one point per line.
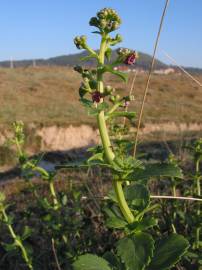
143	62
75	59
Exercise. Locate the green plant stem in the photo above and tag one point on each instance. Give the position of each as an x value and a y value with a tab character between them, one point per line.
105	137
198	178
53	193
122	202
20	153
106	141
174	191
173	185
44	173
91	51
114	108
17	241
151	208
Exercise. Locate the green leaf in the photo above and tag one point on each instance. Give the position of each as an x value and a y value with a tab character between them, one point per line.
112	196
82	92
129	115
143	224
92	110
136	251
9	247
110	69
96	32
168	252
91	262
85	58
98	156
156	170
120	74
113	211
137	196
113	260
115	223
87	103
26	233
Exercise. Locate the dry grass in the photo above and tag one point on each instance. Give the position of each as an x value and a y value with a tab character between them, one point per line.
49	95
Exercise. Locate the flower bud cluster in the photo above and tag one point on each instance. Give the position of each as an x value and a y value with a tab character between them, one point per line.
127	56
89	80
108	90
80	42
113	41
107	20
84	89
127	100
123	52
90	74
115	99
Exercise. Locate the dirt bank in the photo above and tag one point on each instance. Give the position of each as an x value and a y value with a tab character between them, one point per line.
56	138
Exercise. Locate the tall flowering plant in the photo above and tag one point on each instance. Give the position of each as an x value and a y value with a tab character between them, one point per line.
130	207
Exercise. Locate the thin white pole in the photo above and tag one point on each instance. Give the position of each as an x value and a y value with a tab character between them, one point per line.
11	62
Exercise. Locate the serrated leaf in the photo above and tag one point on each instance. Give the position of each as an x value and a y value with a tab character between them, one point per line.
136	251
143	224
115	223
113	260
137	196
91	262
156	170
168	252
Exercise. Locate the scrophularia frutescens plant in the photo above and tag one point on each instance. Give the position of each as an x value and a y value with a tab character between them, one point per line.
130	206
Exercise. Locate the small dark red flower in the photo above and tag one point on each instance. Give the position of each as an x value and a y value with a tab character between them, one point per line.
131	58
96	96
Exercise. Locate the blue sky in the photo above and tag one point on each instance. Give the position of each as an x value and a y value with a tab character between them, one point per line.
46	28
